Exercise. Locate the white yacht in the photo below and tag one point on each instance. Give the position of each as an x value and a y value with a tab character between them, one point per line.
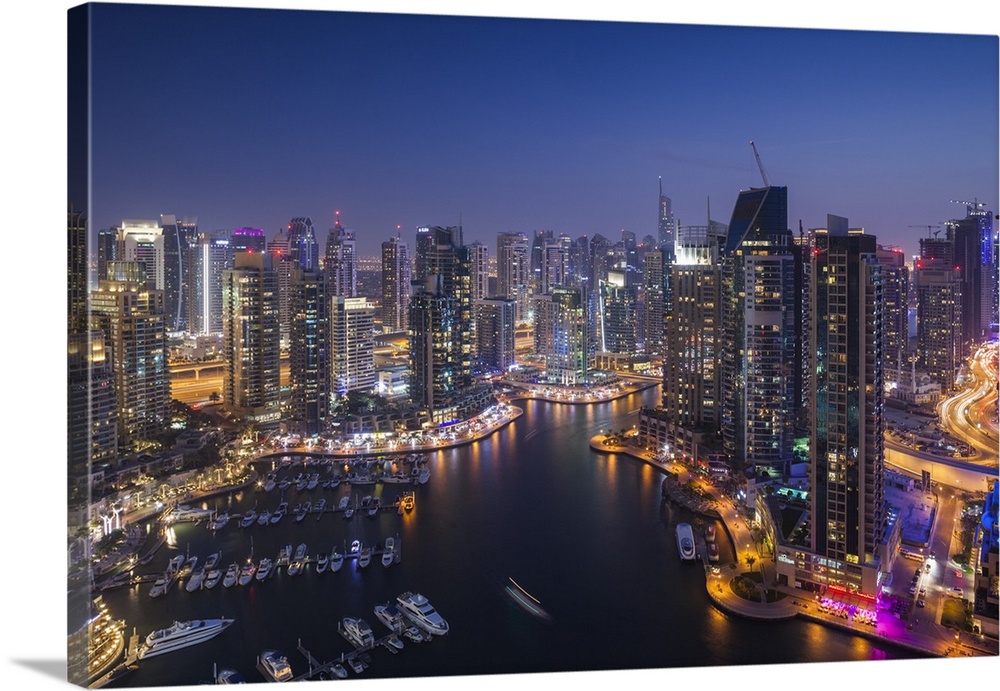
284	555
196	580
424	475
685	541
365	557
300	552
423	614
219	521
264	518
339	670
322	561
336	560
345	501
389	615
357	631
313	481
212	561
389	553
264	568
275	666
188	567
229	676
248	518
247	573
212	578
232	574
181	634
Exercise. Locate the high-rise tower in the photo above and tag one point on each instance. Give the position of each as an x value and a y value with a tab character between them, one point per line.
341	262
514	271
309	350
847	425
251	380
396	278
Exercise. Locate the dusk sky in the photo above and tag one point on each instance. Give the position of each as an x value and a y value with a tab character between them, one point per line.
245	117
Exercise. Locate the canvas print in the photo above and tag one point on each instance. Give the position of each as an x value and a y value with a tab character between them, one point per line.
425	346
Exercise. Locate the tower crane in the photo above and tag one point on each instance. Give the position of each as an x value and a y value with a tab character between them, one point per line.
767	183
928	227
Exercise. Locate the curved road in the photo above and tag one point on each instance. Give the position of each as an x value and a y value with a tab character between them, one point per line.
972	414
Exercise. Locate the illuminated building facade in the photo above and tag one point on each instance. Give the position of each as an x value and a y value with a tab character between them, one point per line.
352	344
847	454
207	258
495	334
132	320
514	271
308	352
396	277
251	339
939	321
341	262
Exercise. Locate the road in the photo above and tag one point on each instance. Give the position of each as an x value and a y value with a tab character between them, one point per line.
971	415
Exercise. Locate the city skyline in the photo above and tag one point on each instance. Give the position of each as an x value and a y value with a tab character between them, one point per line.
444	124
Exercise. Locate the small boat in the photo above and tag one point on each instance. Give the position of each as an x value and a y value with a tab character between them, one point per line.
284	484
334	482
275	666
219	521
213	560
160	586
212	578
175	564
270	482
336	560
229	676
298	562
357	665
408	501
374	506
357	631
394	643
188	567
389	553
322	561
232	575
415	635
355	547
345	501
423	476
284	555
339	671
300	551
320	507
349	512
313	481
280	513
685	541
303	511
248	518
264	518
196	580
365	558
264	569
247	573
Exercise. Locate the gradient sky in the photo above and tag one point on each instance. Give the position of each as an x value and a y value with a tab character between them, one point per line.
246	117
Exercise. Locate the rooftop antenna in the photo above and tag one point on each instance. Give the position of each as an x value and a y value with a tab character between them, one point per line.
763	174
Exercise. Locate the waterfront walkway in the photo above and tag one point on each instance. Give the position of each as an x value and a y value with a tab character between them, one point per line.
925	637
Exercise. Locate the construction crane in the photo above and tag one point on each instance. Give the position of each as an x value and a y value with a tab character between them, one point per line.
936	225
971	207
767	183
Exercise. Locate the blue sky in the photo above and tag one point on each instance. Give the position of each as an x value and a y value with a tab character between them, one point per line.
252	117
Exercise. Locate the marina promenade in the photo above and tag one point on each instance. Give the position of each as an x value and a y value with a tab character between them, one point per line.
928	637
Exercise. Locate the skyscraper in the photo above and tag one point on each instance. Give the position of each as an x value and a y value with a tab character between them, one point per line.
131	317
352	344
396	278
142	241
341	262
178	236
78	269
653	278
248	240
207	258
309	348
761	346
939	321
895	320
251	339
479	256
302	245
280	250
495	334
618	307
514	271
691	343
847	423
562	334
93	406
972	254
666	226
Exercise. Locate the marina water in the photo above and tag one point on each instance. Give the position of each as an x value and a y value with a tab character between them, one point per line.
587	534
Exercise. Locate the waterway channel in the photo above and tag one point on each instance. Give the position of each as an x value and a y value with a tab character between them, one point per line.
587	534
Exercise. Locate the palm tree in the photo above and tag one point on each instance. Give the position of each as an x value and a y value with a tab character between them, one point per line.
750	562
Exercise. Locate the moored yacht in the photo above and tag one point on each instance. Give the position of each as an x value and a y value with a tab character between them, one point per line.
322	561
247	573
229	676
389	615
248	518
365	557
336	560
196	580
275	666
212	578
389	553
357	631
685	541
423	614
264	568
232	574
181	634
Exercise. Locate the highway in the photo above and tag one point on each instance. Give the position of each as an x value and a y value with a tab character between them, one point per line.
971	415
